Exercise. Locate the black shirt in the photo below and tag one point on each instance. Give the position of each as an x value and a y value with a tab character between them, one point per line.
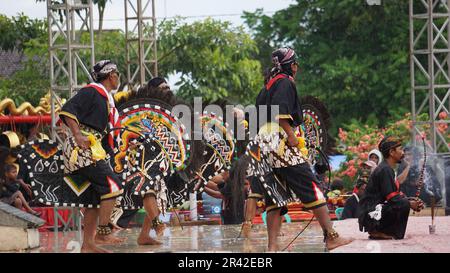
88	107
8	188
351	209
381	187
281	91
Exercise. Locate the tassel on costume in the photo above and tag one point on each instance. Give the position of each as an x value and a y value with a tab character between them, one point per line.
98	153
74	155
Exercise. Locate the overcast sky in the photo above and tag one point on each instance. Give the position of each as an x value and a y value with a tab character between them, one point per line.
229	10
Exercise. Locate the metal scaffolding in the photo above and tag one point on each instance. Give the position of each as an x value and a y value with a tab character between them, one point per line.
430	70
140	35
430	82
66	48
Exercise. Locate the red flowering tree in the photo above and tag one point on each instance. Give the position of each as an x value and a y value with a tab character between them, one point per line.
356	140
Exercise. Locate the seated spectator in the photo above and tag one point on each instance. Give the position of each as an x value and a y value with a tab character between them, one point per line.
336	188
368	165
351	209
375	156
364	172
10	190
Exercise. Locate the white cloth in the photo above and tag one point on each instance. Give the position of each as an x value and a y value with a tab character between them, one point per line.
356	196
112	110
376	214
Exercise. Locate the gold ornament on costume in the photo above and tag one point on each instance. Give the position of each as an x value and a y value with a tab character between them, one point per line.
27	109
10	139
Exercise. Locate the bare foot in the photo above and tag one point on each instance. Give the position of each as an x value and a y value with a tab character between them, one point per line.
379	236
246	229
91	248
108	239
115	227
337	242
147	240
248	246
272	248
159	229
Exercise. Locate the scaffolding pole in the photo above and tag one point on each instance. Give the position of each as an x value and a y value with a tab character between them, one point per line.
429	47
66	51
140	35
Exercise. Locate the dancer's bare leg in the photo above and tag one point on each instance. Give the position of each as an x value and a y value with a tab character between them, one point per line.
323	217
154	213
280	233
106	207
250	211
151	208
273	228
90	226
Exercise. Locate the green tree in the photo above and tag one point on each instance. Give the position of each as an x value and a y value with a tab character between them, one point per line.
352	56
215	60
17	30
28	36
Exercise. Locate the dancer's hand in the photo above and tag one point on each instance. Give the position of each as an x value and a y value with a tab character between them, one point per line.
82	141
416	205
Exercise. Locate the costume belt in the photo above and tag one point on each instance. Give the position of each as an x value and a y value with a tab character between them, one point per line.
76	158
273	140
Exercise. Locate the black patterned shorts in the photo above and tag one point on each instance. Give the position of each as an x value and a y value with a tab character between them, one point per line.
256	189
103	179
302	181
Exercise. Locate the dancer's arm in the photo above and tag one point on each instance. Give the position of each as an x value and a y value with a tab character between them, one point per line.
292	139
213	193
81	140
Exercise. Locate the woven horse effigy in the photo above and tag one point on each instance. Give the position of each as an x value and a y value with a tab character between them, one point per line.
219	149
152	148
50	185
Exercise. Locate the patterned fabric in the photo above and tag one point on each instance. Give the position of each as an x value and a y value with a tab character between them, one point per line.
277	191
214	165
44	161
149	167
272	142
83	156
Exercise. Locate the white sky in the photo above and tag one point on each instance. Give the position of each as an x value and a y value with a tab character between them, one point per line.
195	9
229	10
